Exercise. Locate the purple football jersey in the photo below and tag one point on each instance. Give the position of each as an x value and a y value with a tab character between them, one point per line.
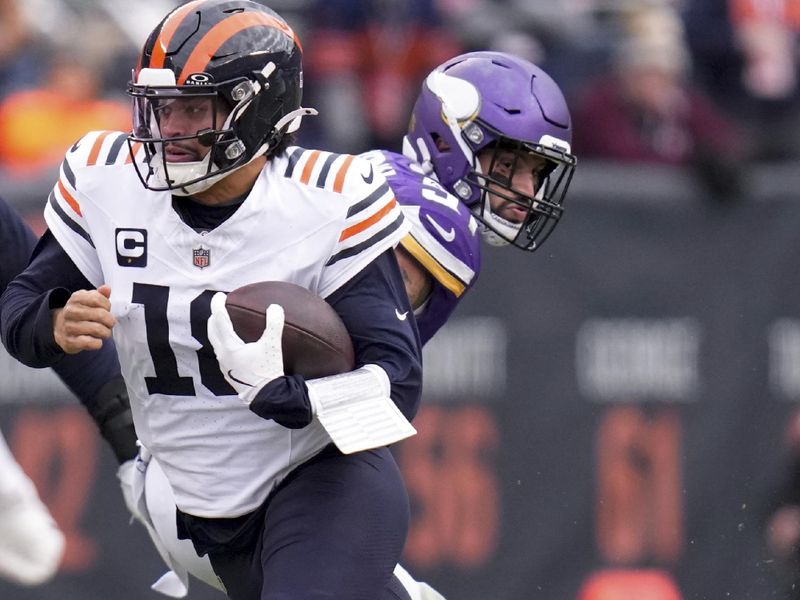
444	236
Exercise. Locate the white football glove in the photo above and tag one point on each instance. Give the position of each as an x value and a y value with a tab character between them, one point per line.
246	366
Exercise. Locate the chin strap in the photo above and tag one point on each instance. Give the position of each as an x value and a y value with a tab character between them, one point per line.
356	410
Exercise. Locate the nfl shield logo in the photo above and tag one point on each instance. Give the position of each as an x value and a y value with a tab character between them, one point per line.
201	257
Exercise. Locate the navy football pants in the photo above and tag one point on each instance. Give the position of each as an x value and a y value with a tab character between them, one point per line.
333	529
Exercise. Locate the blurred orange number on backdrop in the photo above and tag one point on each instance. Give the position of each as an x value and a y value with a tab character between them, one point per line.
641	584
450	476
58	450
639	508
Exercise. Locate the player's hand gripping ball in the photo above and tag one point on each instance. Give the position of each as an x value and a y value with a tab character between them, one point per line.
313	339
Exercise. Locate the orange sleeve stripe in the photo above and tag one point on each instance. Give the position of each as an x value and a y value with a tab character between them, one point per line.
95	152
338	184
68	197
312	160
212	41
167	31
133	152
359	227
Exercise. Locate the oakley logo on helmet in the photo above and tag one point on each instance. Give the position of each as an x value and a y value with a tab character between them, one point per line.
199	79
131	247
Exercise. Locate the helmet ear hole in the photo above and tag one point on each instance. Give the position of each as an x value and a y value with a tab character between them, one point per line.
441	144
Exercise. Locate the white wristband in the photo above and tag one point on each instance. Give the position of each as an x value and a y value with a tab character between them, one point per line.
356	410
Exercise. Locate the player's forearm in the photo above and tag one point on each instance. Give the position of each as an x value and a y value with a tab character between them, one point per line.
376	311
95	378
26	326
110	409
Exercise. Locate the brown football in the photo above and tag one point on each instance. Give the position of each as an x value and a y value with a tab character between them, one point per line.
315	340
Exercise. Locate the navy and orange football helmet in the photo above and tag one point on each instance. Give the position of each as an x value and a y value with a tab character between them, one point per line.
238	55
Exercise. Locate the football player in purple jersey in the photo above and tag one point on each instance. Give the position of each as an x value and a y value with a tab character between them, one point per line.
487	154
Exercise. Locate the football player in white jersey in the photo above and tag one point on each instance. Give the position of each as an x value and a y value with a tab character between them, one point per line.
286	484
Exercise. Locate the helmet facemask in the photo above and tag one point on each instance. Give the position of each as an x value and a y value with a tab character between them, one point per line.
535	211
211	116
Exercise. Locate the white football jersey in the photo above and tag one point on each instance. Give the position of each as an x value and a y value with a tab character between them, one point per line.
313	218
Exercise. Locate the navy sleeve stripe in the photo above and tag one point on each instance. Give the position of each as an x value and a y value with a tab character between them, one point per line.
326	167
368	201
113	152
353	250
68	221
68	173
293	158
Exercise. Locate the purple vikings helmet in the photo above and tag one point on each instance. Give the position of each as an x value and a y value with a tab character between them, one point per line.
494	100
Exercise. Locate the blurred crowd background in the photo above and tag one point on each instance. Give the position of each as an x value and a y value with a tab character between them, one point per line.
709	84
683	236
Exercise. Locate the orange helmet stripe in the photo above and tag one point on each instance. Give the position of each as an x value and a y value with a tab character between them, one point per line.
167	31
221	33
